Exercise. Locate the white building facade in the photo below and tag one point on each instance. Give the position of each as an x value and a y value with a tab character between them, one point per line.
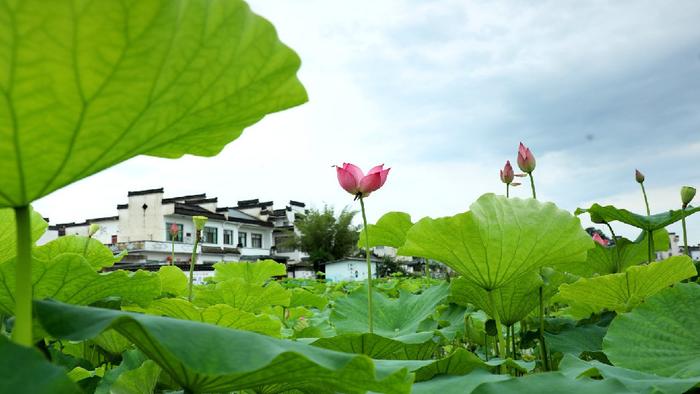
142	228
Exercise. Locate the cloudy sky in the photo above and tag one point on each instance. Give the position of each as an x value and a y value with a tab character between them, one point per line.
442	92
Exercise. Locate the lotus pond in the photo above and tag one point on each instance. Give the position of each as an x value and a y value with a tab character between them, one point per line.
536	304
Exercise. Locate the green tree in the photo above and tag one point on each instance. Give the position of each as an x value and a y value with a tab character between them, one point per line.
324	236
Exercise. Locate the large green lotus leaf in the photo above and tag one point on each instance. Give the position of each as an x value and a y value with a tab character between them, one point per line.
87	85
217	359
459	362
456	384
255	273
141	380
635	381
301	297
500	239
451	320
112	342
221	315
379	347
610	260
390	230
69	278
660	336
25	370
173	280
392	317
552	383
95	252
513	302
575	339
242	295
650	223
622	292
131	360
8	231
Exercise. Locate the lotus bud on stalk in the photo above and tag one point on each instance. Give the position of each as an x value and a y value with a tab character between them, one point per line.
354	181
93	229
526	162
199	222
639	177
507	176
687	195
174	232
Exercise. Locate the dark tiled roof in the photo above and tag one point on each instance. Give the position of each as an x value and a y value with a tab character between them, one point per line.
183	198
253	203
122	206
195	210
144	192
250	221
104	219
248	203
297	203
202	200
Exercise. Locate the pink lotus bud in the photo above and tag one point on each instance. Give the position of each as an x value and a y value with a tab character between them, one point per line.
526	161
638	176
600	240
356	183
507	174
174	230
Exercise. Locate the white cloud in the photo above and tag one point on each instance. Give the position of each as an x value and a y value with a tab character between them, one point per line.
425	88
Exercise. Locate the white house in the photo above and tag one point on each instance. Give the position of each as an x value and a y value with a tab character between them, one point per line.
673	250
245	232
349	269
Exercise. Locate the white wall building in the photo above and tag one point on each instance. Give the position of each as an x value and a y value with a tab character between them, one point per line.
673	250
349	269
244	232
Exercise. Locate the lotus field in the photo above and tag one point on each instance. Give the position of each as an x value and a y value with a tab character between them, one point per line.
534	303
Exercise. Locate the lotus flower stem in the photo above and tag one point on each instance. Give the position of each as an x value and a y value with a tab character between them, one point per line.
501	349
486	346
685	235
646	201
369	268
22	331
193	261
507	190
512	338
543	344
532	185
617	249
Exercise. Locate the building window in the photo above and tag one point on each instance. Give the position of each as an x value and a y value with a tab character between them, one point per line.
256	240
284	244
242	239
228	237
114	239
209	235
169	237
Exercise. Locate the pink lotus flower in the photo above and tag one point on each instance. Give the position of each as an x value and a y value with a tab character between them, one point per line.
174	230
356	183
600	240
507	173
526	161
